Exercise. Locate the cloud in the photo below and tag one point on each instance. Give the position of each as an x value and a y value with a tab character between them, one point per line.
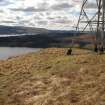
29	9
42	22
44	7
4	2
53	14
61	6
1	0
7	21
91	5
63	21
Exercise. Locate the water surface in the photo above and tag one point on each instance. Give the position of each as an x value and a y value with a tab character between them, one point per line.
6	52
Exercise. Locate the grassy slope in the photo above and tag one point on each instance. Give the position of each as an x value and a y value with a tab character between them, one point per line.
52	78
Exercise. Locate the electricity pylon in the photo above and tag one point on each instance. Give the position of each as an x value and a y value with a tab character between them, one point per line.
95	24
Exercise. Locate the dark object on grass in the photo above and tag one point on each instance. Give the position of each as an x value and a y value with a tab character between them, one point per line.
69	52
95	48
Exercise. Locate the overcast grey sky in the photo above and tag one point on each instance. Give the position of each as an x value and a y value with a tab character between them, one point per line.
51	14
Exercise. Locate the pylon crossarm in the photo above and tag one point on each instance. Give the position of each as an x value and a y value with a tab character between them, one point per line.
84	2
89	22
97	3
91	28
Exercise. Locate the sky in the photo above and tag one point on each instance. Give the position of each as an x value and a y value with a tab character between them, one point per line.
50	14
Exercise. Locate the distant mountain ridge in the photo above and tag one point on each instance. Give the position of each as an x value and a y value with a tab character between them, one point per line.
12	30
20	36
21	30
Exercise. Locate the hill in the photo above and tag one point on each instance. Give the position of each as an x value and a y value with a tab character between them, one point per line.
50	77
11	30
36	41
19	36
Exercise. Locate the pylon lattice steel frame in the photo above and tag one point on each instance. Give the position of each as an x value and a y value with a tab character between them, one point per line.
97	22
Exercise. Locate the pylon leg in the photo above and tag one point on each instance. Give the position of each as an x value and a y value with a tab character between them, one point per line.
101	49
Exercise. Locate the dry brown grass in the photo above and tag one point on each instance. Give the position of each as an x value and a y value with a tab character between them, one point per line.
49	77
